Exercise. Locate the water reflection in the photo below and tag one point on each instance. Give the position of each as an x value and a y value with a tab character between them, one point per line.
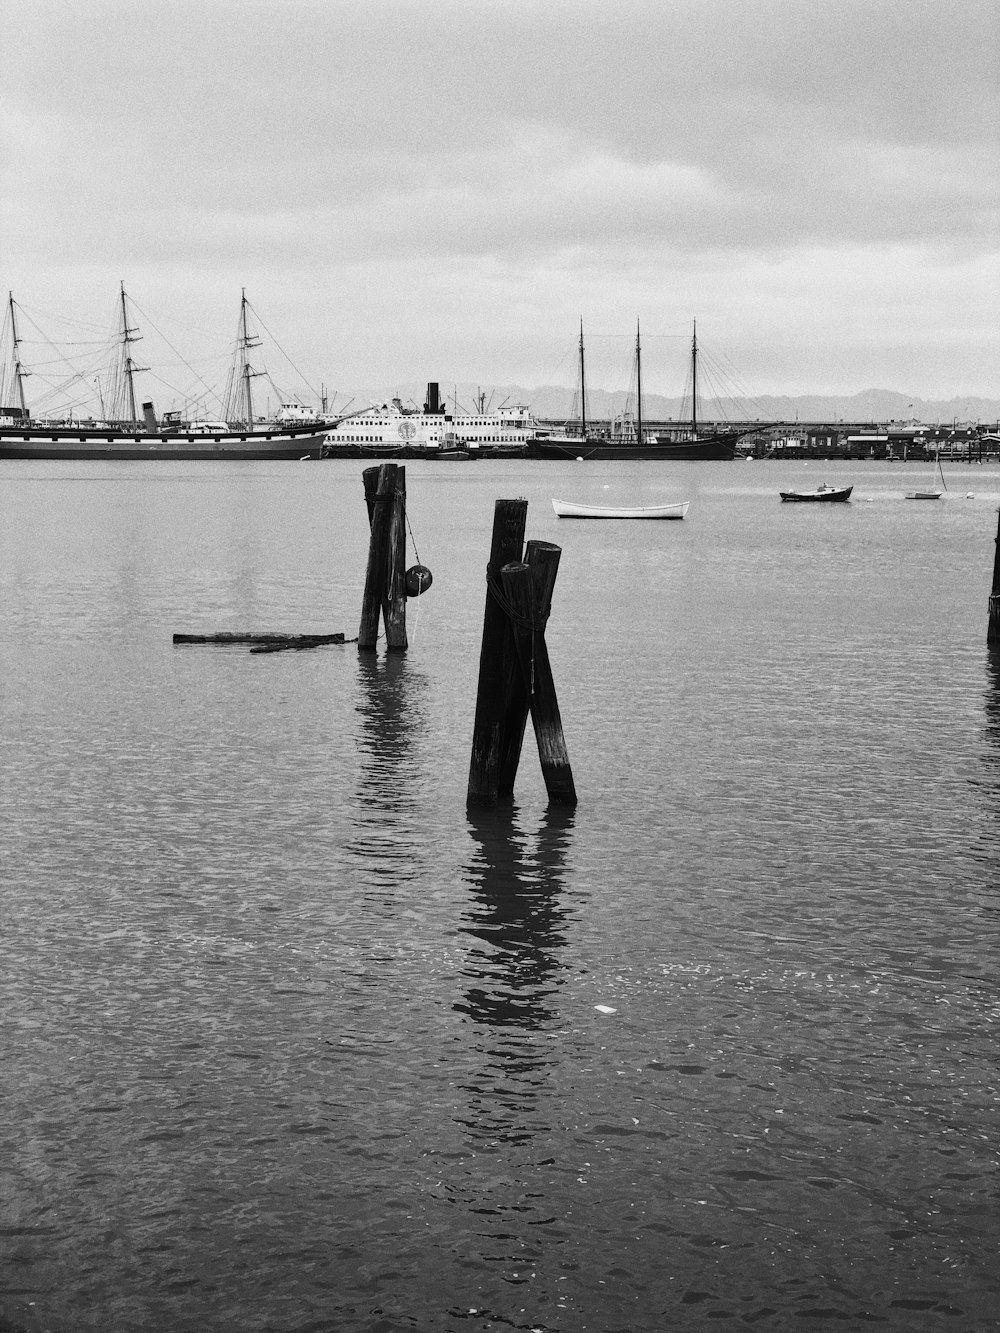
517	921
991	706
984	780
515	910
391	713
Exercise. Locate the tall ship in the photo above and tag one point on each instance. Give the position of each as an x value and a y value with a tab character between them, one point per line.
434	430
128	428
627	436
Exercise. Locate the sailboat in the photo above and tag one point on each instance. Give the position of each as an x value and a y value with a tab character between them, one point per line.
126	431
931	493
628	438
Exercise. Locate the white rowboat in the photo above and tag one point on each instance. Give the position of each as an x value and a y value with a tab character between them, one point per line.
569	509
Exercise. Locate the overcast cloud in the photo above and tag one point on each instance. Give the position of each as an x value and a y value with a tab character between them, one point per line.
443	188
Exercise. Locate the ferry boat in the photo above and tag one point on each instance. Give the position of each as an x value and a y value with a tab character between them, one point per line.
126	433
433	431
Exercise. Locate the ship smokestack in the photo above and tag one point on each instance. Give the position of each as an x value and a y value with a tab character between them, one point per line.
149	416
433	404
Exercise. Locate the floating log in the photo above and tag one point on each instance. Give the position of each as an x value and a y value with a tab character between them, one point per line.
296	645
259	637
501	710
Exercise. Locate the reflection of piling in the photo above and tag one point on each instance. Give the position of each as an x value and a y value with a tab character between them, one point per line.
993	631
385	587
514	672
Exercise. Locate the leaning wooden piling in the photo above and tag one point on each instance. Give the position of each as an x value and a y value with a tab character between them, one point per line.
993	629
385	576
500	698
529	587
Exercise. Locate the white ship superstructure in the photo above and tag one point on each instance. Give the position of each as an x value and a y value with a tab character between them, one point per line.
434	429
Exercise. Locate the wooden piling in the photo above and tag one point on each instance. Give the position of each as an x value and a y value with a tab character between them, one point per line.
394	606
501	697
529	588
385	577
993	629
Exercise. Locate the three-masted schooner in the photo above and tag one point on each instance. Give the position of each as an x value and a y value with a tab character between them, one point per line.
628	437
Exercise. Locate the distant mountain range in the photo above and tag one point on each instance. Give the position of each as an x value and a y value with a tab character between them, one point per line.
553	403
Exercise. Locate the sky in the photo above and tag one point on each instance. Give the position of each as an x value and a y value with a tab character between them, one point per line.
443	189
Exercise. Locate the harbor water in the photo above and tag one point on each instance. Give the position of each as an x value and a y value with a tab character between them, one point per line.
293	1042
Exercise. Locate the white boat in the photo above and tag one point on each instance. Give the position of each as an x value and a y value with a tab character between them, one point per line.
931	493
570	509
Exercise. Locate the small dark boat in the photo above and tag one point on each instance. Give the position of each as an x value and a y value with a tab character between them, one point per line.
834	494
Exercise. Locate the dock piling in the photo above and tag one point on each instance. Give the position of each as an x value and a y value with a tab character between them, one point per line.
385	577
499	704
515	676
993	629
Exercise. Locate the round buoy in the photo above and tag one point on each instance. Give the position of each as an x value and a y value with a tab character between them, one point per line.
418	579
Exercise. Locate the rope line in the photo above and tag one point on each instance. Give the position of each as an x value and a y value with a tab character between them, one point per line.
409	529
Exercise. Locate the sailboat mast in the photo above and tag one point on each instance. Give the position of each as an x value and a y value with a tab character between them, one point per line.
694	379
638	387
583	389
19	371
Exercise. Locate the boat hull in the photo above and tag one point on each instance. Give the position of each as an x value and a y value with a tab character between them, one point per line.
716	448
62	443
416	452
831	495
570	509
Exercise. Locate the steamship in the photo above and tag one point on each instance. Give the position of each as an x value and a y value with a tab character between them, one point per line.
433	431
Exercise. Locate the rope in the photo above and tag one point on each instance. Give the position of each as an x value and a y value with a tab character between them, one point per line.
413	539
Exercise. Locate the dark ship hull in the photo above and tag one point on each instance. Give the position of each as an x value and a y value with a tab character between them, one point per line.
709	448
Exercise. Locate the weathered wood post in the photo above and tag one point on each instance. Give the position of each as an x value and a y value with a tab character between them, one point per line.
385	587
501	710
993	631
394	606
529	587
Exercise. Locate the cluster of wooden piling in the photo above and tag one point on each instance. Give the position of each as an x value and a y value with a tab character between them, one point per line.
515	677
385	577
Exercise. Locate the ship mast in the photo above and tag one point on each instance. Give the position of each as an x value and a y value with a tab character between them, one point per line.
638	387
247	341
129	336
583	389
19	372
694	380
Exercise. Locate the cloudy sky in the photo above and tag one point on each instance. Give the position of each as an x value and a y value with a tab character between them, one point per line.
442	189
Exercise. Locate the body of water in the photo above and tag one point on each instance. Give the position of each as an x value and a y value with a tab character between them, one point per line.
292	1042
